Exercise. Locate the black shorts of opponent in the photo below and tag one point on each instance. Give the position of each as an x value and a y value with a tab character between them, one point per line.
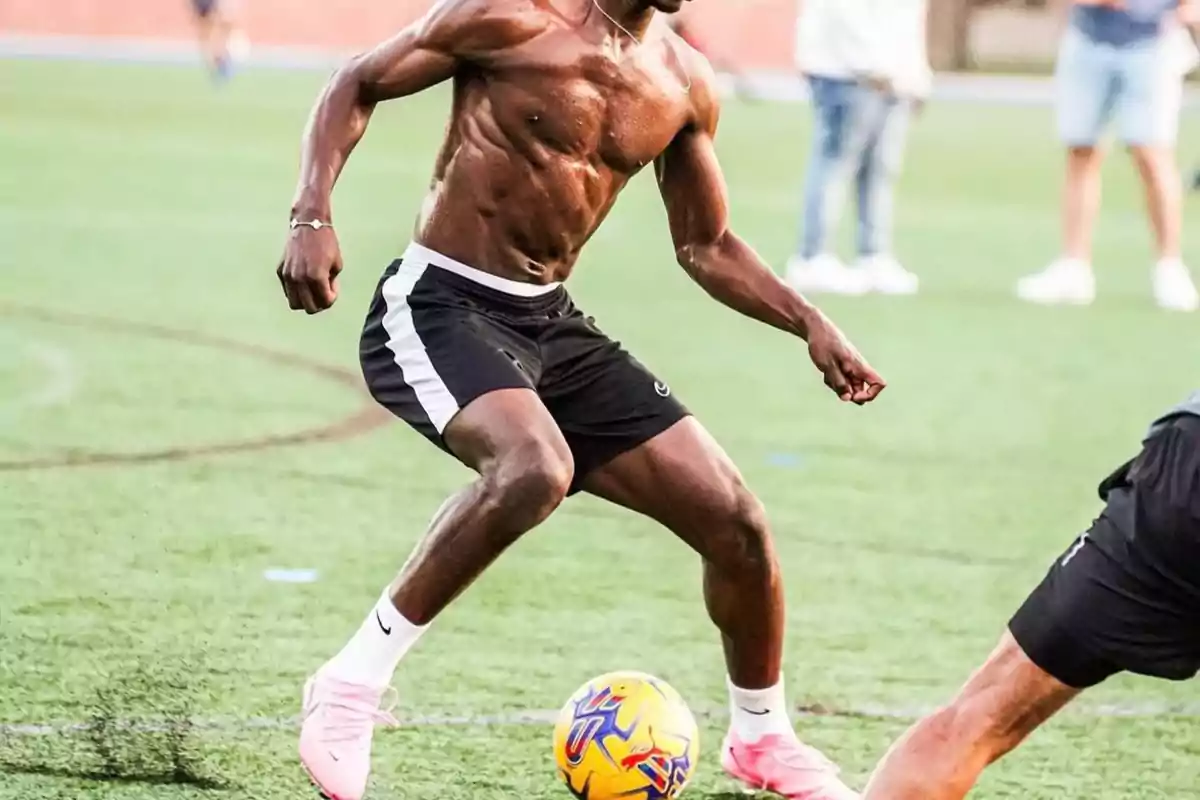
440	334
204	8
1125	597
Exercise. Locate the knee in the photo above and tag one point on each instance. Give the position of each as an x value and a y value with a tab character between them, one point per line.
1083	156
1152	161
529	481
744	546
1143	157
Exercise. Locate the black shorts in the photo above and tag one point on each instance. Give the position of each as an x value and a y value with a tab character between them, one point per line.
441	334
204	8
1125	597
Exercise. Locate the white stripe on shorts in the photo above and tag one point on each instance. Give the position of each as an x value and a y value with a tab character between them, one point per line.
409	351
422	255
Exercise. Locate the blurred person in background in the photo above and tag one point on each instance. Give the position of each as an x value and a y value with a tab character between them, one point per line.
222	42
1123	62
868	71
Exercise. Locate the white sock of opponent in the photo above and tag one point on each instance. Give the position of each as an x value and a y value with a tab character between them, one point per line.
756	713
372	654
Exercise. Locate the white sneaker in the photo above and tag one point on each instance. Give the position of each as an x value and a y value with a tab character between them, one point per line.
886	275
1173	286
1066	281
825	273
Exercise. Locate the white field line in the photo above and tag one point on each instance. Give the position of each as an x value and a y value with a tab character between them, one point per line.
544	717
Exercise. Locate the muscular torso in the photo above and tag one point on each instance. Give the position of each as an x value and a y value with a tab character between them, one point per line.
543	137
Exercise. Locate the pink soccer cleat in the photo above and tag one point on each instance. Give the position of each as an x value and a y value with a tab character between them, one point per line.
785	766
335	738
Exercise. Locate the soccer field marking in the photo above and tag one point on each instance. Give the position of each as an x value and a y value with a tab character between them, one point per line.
366	417
61	381
546	717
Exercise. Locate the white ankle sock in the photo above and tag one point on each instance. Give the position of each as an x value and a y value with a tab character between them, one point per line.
756	713
372	654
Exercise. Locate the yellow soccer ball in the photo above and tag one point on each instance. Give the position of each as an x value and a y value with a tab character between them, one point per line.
626	735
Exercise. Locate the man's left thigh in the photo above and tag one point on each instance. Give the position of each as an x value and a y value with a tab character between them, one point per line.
886	127
1150	99
683	479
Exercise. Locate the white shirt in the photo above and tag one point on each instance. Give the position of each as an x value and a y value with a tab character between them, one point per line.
852	39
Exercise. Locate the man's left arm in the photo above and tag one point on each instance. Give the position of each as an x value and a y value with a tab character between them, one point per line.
728	269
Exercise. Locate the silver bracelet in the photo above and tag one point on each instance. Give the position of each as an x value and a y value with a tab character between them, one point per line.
315	224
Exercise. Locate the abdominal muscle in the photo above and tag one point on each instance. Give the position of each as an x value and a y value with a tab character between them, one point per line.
510	204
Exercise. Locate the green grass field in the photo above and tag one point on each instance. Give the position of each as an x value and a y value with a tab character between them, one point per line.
133	594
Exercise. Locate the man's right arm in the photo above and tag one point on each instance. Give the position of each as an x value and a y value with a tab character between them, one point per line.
407	63
426	53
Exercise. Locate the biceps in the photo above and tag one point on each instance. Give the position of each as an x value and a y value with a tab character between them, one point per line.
401	66
694	192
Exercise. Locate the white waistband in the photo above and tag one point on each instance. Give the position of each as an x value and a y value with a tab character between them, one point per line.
420	254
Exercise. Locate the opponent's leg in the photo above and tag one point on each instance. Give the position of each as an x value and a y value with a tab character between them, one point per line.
683	479
1110	603
525	469
942	756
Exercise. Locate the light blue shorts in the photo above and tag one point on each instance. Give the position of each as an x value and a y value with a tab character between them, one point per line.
1136	86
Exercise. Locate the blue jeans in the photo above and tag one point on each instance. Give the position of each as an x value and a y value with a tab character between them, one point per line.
858	133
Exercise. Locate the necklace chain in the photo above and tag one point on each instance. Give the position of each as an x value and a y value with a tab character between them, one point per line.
625	31
613	20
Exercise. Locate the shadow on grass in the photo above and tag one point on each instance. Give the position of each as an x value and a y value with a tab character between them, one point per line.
139	730
151	779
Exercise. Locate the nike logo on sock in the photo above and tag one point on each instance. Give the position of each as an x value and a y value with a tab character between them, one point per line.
386	630
755	713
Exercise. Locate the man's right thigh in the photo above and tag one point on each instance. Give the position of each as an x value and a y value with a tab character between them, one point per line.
462	381
1086	90
511	428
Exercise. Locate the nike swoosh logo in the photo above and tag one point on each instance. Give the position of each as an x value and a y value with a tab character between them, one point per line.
755	713
386	631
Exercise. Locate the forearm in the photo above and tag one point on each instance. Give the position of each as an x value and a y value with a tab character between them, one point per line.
337	123
734	275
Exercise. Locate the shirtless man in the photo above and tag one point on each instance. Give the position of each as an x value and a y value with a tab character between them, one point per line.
472	340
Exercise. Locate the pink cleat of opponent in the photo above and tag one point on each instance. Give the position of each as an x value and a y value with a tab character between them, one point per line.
785	766
335	738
